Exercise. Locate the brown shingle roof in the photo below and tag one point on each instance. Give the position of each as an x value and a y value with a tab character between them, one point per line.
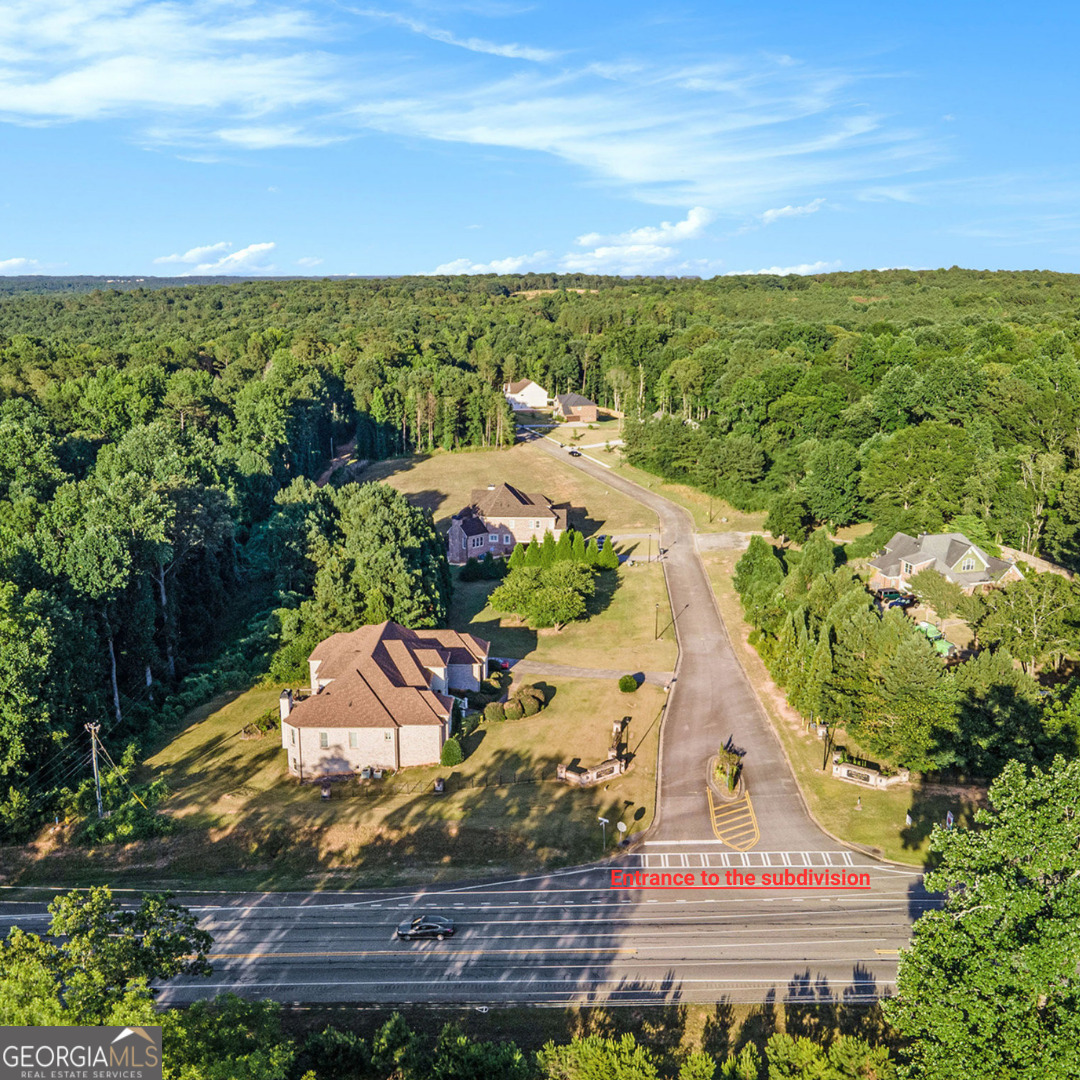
517	387
380	679
506	501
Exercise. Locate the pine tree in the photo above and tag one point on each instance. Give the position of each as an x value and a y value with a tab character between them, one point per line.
532	553
607	559
564	549
517	556
592	553
815	689
547	550
579	547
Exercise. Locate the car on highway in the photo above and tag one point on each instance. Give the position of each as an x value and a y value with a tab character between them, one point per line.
426	926
575	453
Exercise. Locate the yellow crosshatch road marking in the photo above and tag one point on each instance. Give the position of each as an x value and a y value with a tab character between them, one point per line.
734	823
887	952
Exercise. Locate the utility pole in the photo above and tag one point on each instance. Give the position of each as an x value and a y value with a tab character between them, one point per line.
94	729
656	624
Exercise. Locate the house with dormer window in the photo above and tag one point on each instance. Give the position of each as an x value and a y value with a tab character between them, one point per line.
952	555
497	519
381	696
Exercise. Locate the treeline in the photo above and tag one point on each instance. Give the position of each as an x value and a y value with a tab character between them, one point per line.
845	664
149	517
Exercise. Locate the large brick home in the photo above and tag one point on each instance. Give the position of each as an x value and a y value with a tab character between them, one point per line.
380	696
575	407
952	555
498	518
525	394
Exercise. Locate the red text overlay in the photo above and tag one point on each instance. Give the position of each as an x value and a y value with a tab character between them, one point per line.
740	879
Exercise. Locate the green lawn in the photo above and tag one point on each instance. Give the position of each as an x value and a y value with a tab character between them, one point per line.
441	482
880	823
619	632
242	822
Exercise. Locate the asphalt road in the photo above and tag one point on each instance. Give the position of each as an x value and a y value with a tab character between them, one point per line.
570	936
567	937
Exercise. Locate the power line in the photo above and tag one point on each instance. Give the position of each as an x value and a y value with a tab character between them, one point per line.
121	775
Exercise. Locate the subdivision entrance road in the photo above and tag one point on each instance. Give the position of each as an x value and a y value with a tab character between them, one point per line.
711	700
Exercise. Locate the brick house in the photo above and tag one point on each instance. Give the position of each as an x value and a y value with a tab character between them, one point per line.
575	407
525	394
380	696
498	518
952	555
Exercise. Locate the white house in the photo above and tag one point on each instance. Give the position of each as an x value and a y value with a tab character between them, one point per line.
525	395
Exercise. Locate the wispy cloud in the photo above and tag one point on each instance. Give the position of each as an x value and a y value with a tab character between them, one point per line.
791	211
511	50
199	260
820	267
308	260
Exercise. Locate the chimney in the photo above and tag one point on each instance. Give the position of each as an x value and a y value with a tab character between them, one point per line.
285	704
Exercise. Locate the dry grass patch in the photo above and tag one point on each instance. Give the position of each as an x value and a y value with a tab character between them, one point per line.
242	822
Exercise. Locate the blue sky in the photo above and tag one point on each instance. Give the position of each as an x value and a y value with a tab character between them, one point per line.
430	136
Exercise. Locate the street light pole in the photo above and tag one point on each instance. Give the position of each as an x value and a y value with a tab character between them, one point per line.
656	624
603	834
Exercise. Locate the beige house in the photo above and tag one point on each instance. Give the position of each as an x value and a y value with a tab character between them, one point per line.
525	394
497	519
381	696
952	555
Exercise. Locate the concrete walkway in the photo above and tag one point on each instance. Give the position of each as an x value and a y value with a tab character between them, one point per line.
533	667
711	700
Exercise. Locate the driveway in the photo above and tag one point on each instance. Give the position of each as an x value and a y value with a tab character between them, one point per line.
711	700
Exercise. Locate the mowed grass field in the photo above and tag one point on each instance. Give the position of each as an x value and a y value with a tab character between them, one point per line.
619	632
875	819
242	822
442	482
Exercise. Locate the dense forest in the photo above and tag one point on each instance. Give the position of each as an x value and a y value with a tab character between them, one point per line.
161	535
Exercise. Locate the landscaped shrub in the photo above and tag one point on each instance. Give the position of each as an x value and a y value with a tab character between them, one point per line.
513	710
495	713
529	706
471	571
451	753
470	723
628	684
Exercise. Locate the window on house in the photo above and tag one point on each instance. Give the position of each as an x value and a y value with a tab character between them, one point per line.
907	568
292	736
508	539
389	736
536	524
493	538
478	541
352	740
968	564
324	740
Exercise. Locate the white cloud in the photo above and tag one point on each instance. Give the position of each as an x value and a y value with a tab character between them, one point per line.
791	211
308	260
510	265
19	266
270	136
248	260
696	220
783	271
196	254
511	51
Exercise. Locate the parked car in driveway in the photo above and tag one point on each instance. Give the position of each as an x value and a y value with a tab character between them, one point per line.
426	926
902	602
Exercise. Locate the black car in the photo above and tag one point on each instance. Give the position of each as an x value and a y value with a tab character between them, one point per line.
575	453
426	926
